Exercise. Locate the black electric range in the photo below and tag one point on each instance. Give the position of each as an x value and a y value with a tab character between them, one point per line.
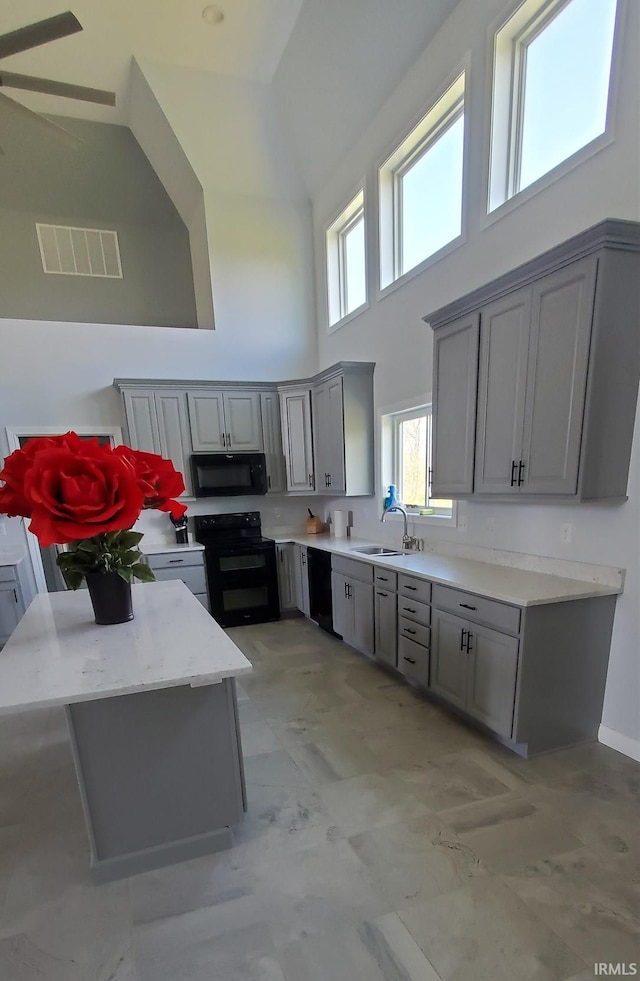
241	568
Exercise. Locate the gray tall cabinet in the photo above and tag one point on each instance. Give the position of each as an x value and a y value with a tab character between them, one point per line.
536	375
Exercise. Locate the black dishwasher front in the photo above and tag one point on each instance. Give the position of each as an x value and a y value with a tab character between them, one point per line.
320	607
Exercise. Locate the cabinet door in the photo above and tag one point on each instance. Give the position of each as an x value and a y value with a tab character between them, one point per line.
286	584
11	609
342	608
142	421
297	441
206	421
448	658
321	436
272	441
562	311
491	678
242	418
386	627
173	430
455	376
361	598
301	579
335	434
504	343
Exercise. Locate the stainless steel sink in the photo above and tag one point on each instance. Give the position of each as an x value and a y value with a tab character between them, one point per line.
376	550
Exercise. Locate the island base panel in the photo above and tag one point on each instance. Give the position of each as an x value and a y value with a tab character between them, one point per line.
160	775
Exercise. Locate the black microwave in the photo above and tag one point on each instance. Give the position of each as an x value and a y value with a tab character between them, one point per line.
228	474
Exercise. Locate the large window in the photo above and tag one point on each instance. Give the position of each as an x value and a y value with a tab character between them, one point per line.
421	188
406	461
551	88
346	261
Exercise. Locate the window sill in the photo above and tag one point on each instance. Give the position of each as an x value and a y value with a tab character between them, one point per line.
332	328
422	266
442	520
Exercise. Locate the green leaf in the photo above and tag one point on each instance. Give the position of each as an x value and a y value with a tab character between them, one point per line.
125	574
73	578
129	539
130	557
142	571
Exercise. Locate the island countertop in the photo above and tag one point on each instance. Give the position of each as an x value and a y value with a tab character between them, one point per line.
58	655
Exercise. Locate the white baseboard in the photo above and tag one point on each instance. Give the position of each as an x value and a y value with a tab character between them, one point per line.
617	740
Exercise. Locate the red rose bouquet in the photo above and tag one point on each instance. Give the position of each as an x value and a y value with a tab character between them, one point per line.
87	496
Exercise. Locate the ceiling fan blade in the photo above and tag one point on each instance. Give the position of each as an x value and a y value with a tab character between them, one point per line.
51	87
39	33
11	106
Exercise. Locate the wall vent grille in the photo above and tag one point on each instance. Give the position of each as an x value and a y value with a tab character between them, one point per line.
69	251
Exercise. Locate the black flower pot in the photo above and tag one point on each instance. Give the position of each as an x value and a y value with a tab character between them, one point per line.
110	597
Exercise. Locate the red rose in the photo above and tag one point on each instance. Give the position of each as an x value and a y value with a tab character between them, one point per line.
12	499
158	480
80	489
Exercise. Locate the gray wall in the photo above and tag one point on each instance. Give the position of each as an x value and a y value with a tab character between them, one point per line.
106	183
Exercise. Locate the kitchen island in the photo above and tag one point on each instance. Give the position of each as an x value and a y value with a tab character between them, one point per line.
152	714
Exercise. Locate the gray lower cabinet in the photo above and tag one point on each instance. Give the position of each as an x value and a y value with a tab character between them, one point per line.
352	600
386	626
184	564
286	581
474	668
558	372
16	592
301	579
158	422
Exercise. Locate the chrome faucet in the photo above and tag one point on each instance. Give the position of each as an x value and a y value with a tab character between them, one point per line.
408	541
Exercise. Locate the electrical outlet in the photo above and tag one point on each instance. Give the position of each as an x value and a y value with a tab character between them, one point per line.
566	532
462	522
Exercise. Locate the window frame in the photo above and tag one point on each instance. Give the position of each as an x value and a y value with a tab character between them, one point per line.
391	463
505	102
405	151
335	233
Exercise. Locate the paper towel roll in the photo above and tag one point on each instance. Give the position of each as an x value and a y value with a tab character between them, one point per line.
340	524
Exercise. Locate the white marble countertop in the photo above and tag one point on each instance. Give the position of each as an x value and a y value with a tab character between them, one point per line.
11	556
518	587
161	548
58	654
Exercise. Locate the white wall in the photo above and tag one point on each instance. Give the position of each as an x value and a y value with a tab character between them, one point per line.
391	332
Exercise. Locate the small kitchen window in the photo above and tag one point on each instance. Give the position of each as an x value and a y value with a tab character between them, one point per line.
551	90
346	262
406	462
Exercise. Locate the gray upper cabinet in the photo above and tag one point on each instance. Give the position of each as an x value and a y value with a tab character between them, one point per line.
295	410
225	421
455	359
342	410
272	441
559	365
329	435
158	422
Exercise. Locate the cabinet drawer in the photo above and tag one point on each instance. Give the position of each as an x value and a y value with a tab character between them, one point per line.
410	609
192	577
352	568
413	631
176	560
478	608
385	578
7	573
413	661
418	589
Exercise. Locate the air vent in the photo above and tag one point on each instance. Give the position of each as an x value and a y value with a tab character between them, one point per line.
71	251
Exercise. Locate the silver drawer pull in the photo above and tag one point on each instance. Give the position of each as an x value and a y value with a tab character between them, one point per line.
411	660
408	631
409	609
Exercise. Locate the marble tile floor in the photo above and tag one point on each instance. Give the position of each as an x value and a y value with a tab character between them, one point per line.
385	841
